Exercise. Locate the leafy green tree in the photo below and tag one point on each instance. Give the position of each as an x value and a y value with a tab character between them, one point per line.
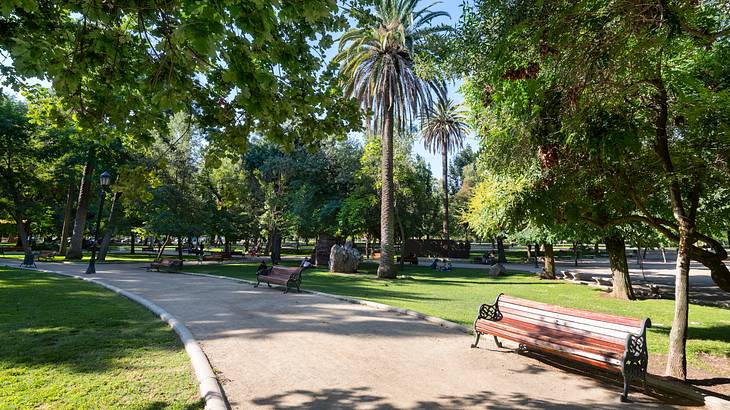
20	152
242	67
377	61
627	93
444	130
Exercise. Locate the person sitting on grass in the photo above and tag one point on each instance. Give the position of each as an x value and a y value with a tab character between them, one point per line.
445	265
434	264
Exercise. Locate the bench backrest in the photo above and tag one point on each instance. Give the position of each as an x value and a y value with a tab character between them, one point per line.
292	271
603	326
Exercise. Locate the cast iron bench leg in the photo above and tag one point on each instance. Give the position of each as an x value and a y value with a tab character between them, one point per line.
497	342
625	395
476	342
257	284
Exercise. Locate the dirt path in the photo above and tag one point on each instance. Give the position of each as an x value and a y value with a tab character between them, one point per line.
306	351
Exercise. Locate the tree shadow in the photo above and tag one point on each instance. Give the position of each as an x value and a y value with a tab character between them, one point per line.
363	397
47	320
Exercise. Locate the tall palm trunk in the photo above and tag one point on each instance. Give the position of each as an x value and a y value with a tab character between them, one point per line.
445	171
385	270
77	239
65	230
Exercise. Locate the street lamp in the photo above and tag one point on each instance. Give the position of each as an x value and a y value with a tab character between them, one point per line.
104	181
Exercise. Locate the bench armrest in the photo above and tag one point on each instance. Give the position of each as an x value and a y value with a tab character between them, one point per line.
263	272
490	312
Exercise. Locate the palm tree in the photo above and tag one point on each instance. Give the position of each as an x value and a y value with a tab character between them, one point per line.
443	130
377	62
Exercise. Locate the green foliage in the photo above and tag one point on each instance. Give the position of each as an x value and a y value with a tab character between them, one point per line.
242	68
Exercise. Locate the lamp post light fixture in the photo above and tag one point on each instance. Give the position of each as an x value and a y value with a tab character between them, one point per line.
104	180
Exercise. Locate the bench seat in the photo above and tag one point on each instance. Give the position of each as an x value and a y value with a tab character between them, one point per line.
287	276
167	265
606	341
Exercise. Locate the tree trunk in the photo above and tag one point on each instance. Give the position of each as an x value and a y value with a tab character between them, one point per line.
501	257
402	238
595	250
445	169
132	238
275	246
529	251
549	261
22	233
685	217
75	251
677	359
575	254
616	248
110	227
66	219
179	248
537	250
385	269
162	248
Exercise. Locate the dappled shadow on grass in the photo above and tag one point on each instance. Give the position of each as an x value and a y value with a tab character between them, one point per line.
716	333
46	320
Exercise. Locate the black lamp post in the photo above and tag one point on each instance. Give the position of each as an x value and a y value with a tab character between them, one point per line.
104	181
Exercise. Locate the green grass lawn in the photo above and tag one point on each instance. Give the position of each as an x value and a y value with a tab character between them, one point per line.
68	344
456	296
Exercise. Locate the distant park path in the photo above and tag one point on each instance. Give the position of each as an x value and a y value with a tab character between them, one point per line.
307	351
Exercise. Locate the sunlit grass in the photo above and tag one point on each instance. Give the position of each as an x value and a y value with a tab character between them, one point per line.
67	344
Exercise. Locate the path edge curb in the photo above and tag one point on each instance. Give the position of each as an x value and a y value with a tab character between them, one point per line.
710	402
209	388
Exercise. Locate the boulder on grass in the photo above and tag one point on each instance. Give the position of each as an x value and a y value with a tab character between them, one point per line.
344	259
496	270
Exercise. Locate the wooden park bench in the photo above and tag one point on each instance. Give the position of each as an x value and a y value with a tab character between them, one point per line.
412	259
606	341
215	256
288	276
47	256
168	265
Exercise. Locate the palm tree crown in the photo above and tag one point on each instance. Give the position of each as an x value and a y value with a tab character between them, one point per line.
378	61
444	127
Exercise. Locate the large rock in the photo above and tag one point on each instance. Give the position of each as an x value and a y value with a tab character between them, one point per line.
344	259
496	270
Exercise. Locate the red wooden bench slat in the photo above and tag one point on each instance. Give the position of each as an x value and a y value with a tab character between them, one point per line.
553	345
600	332
603	317
588	344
